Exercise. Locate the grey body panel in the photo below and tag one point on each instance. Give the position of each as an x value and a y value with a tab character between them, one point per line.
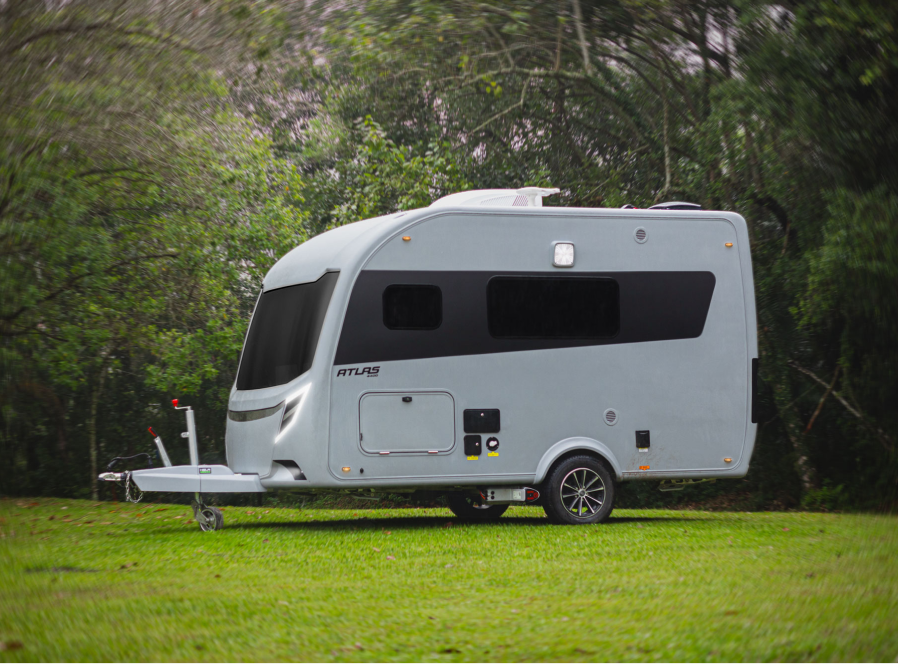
694	395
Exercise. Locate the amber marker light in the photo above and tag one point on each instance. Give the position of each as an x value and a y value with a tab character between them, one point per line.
346	469
406	238
728	460
728	245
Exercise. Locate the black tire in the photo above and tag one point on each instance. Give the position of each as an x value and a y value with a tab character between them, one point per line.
212	519
470	508
578	491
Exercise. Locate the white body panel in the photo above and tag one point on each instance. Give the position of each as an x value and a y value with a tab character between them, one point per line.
196	479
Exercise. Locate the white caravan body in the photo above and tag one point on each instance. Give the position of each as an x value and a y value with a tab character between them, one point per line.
380	350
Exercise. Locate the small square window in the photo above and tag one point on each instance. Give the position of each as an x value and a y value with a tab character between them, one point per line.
413	307
564	254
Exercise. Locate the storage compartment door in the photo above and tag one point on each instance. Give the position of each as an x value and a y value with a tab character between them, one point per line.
406	422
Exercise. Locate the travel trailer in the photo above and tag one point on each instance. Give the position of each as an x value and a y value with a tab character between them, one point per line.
498	352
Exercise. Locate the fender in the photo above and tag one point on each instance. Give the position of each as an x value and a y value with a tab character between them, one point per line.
575	443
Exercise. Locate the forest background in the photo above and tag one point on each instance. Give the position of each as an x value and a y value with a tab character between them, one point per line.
157	158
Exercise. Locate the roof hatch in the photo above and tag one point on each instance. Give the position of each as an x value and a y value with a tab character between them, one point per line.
526	197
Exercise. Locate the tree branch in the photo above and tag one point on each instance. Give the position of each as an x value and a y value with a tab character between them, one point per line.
823	400
70	284
882	435
507	110
581	37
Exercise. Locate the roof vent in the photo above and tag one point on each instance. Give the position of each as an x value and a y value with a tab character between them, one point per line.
499	200
676	205
526	197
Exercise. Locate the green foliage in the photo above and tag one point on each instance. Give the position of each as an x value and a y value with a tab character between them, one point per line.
134	233
851	299
854	273
381	177
826	498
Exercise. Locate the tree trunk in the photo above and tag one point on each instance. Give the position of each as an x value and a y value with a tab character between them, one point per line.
793	425
92	438
95	394
802	461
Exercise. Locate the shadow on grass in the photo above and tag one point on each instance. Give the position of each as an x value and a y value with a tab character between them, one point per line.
427	522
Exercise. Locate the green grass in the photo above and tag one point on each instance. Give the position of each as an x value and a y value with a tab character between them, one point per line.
80	581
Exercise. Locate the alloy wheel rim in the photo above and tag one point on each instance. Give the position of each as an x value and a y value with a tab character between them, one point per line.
582	493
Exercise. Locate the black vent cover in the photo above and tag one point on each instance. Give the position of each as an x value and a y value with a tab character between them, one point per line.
642	440
485	420
473	446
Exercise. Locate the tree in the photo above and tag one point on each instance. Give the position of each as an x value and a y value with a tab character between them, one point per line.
130	228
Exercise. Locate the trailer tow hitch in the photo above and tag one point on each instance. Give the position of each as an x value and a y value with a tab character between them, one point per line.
133	494
209	518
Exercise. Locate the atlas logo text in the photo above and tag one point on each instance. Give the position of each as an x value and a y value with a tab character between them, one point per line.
371	372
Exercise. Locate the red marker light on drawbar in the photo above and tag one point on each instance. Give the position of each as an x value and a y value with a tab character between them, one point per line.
174	402
152	433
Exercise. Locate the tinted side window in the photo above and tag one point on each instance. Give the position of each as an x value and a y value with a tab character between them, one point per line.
413	307
553	307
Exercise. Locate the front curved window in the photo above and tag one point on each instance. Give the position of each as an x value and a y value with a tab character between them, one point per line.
284	333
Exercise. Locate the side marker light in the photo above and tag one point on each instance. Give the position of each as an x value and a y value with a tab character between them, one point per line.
728	245
346	469
728	460
406	238
643	468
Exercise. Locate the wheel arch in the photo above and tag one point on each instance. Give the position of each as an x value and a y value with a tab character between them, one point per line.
572	446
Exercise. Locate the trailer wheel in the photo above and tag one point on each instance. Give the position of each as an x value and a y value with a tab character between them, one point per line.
467	507
210	518
579	490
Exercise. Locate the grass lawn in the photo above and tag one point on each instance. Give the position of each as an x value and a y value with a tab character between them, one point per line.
80	581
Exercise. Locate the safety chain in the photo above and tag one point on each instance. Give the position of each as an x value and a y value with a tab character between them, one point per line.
138	494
